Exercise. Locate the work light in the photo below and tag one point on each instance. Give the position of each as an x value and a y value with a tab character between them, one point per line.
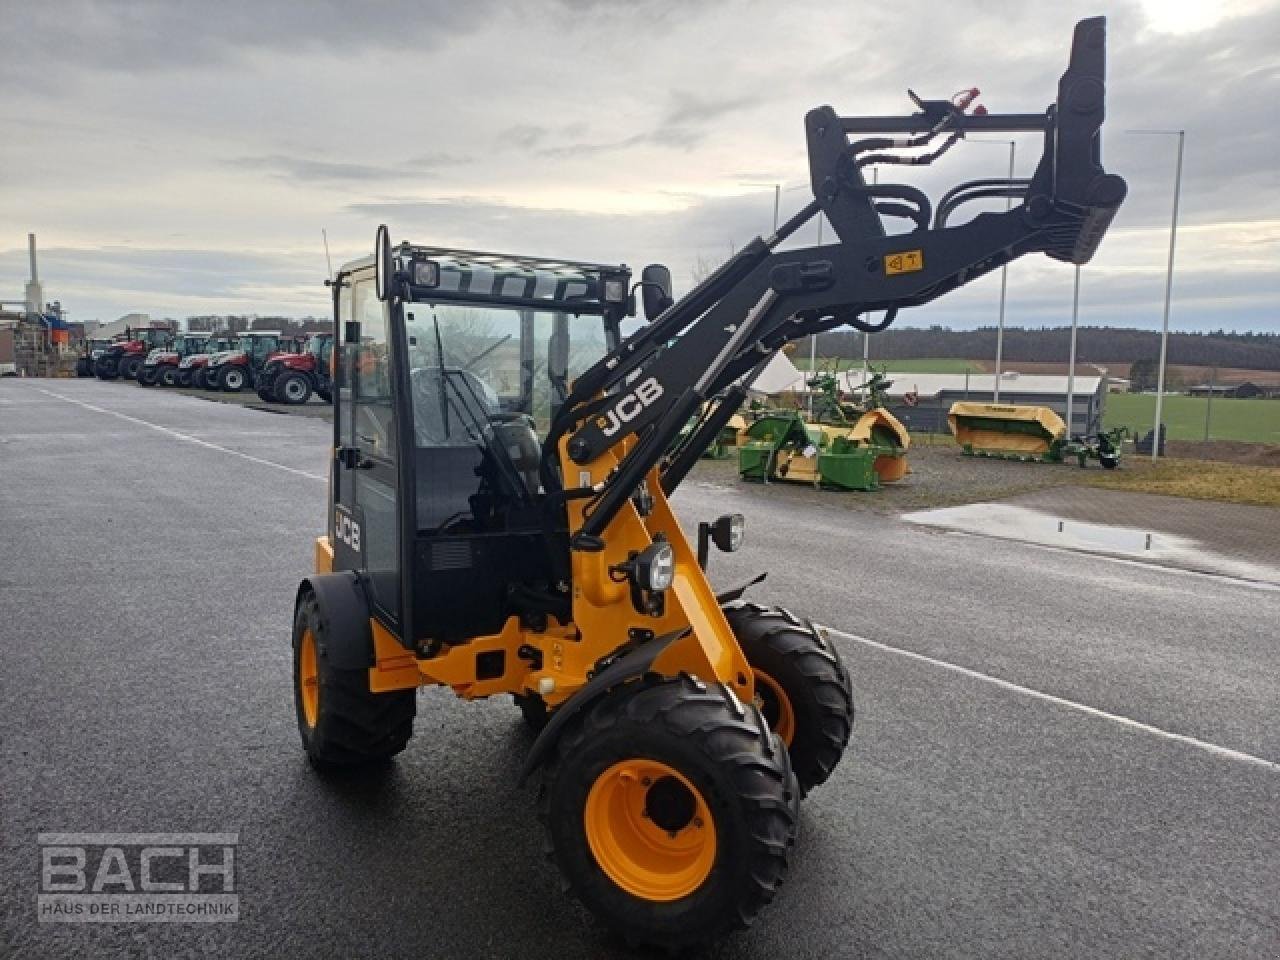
655	567
615	290
426	273
728	531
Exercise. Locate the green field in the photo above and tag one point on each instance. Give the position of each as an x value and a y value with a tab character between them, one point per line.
1256	421
927	365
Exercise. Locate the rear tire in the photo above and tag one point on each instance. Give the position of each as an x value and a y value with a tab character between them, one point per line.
168	376
198	378
671	811
106	370
184	378
146	378
802	687
342	723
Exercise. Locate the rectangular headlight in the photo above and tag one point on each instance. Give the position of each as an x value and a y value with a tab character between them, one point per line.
615	290
426	273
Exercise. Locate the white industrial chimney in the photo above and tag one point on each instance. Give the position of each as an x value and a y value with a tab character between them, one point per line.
35	295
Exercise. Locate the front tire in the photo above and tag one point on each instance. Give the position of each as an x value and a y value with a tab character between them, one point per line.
168	376
293	388
129	367
342	723
802	687
671	811
232	379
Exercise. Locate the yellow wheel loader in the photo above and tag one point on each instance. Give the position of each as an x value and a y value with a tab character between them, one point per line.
499	518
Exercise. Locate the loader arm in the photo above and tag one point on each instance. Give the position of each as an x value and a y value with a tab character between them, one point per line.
710	344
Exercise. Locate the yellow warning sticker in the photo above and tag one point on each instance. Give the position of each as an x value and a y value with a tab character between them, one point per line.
908	261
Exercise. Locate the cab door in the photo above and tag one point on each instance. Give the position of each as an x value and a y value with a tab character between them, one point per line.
366	522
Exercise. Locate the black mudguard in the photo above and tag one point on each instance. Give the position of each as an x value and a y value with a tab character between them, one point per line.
628	667
345	608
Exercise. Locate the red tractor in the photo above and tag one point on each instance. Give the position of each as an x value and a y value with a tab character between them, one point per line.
161	365
191	368
241	366
125	357
293	377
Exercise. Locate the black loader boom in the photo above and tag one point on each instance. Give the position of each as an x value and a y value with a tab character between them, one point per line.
707	346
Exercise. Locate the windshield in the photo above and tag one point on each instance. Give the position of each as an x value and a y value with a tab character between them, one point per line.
485	382
497	360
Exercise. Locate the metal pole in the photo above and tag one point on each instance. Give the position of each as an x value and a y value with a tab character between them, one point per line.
1208	401
777	202
1071	363
1168	294
1004	288
813	340
866	337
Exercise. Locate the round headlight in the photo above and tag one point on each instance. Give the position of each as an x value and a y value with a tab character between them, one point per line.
655	567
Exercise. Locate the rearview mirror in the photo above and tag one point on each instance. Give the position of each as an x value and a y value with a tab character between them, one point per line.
383	266
655	290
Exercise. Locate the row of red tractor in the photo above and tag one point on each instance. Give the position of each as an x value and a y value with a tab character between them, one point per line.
282	369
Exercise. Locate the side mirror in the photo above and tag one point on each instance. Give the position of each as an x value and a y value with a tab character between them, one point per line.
383	265
655	290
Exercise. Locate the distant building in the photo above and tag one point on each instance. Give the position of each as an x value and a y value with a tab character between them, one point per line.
1241	390
130	321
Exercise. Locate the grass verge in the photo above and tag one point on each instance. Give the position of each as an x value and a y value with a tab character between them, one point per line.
1196	479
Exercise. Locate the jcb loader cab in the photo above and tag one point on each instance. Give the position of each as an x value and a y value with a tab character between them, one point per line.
500	522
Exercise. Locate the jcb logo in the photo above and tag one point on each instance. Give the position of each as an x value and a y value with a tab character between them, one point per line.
348	530
630	406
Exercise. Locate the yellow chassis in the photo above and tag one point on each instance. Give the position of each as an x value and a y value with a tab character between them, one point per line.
602	615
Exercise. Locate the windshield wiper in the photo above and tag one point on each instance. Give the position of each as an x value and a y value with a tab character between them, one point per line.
444	393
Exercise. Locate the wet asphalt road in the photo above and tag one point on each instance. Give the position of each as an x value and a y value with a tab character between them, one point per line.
152	546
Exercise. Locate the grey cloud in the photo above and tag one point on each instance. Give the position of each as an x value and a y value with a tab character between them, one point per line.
315	170
144	35
685	124
307	170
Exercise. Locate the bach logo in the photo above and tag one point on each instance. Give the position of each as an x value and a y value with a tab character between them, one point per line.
631	406
138	878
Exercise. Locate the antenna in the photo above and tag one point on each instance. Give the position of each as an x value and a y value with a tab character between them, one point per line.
329	262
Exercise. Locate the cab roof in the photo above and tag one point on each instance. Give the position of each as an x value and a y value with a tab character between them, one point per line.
477	275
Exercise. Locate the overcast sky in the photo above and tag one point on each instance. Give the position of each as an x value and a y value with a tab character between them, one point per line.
178	158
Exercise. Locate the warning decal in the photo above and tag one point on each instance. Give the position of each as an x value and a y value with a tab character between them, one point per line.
908	261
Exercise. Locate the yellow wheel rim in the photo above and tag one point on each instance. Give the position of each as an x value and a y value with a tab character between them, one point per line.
650	830
308	678
776	706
